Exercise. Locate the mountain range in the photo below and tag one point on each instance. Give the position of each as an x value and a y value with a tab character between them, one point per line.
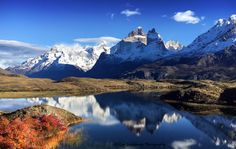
63	61
143	55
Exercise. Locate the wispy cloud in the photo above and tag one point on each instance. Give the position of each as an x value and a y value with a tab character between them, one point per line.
129	13
19	44
188	17
13	52
107	40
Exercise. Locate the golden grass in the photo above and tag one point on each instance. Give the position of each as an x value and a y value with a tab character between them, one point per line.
20	86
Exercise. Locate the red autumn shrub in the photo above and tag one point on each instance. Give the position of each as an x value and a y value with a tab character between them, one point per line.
28	132
51	124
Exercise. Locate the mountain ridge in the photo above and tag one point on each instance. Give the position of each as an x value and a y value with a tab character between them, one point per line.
211	55
139	48
215	66
129	54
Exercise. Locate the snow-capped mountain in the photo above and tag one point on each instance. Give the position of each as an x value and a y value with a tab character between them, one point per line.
125	59
77	56
210	56
173	45
136	49
220	36
140	46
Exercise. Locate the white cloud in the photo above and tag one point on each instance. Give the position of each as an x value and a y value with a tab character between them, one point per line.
129	13
19	44
187	17
107	40
13	52
185	144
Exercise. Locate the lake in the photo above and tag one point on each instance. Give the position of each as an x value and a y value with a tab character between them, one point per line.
134	121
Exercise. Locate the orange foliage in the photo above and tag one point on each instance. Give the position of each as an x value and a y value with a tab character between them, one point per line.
28	132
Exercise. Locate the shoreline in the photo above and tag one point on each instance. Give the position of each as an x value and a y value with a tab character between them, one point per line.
196	91
200	104
29	94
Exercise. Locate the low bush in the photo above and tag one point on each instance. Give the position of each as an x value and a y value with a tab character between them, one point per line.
29	132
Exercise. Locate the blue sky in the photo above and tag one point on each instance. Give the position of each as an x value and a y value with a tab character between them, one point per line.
48	22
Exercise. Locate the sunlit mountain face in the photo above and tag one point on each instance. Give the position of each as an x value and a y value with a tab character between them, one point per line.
123	119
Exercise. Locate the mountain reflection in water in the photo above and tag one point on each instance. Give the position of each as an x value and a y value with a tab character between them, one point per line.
120	120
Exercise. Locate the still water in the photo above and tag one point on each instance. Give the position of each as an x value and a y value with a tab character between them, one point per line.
132	121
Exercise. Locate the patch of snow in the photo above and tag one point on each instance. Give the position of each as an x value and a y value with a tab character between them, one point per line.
173	45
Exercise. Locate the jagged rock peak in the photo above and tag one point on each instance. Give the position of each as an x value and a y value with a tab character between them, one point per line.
137	31
153	36
137	35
